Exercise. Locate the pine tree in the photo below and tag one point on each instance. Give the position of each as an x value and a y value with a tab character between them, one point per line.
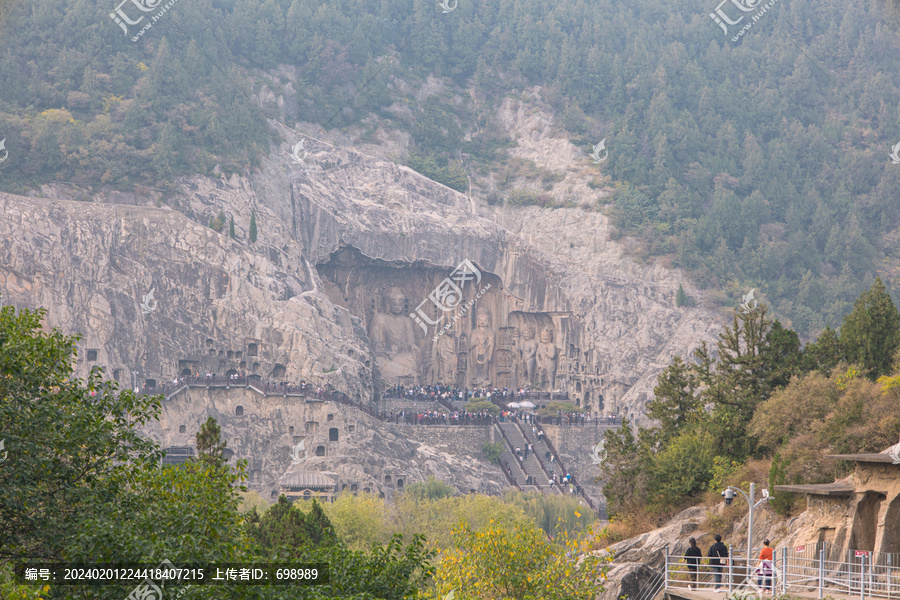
824	354
252	226
626	468
741	377
675	403
286	526
870	334
318	528
681	298
231	228
210	445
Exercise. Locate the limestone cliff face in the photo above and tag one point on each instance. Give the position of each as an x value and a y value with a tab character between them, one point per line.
217	304
359	266
362	454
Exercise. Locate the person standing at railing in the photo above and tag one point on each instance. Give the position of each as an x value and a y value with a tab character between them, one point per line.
718	558
692	557
764	570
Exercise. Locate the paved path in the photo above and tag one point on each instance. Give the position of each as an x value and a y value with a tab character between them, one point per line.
682	593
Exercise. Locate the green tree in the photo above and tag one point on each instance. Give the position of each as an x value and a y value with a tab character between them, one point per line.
252	226
683	468
675	401
285	526
68	442
492	452
870	334
747	370
824	354
81	484
231	228
626	469
781	501
433	489
210	445
681	298
518	563
477	406
782	356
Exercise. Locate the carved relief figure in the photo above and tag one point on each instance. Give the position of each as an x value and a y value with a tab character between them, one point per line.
482	350
447	360
527	355
296	450
547	358
393	339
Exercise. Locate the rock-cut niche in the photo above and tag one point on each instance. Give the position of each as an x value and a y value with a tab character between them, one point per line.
453	326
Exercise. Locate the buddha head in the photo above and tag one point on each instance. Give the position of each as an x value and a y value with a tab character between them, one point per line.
395	300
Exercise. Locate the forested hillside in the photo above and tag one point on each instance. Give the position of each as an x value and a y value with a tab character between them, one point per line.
757	163
759	407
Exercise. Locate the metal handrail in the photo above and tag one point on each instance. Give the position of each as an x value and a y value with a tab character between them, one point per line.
822	566
562	467
535	454
510	446
653	586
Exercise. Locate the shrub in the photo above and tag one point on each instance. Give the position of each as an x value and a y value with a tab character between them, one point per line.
433	489
481	405
492	452
522	198
217	224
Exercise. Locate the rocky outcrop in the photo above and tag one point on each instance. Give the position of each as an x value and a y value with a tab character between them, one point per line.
637	557
276	434
217	304
351	281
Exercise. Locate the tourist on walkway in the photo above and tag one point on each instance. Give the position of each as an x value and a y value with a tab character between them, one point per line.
764	571
692	557
718	558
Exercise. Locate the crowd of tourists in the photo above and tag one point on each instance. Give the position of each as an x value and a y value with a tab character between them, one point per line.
433	417
457	394
444	394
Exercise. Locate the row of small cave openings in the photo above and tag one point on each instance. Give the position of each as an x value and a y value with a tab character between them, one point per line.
252	350
310	427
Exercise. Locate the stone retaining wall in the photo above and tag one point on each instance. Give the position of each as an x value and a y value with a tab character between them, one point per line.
575	446
460	440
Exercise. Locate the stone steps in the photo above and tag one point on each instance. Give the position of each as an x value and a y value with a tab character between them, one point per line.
531	465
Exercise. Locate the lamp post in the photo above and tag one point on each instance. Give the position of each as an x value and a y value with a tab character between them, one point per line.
729	496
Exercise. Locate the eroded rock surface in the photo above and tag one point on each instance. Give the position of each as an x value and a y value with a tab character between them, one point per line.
349	244
363	453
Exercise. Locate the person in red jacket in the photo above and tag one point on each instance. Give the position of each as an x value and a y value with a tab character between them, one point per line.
766	567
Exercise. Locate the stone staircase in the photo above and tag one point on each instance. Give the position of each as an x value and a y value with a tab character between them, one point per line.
531	466
515	466
541	449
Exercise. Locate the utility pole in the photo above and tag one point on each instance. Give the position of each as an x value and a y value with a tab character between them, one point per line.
750	503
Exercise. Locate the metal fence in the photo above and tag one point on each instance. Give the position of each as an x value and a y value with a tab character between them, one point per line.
652	586
729	576
822	568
